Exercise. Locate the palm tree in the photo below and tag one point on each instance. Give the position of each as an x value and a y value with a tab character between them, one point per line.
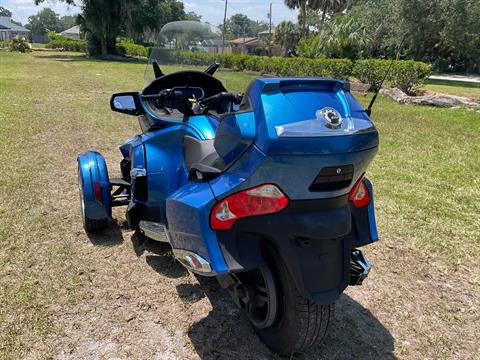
302	5
326	6
286	35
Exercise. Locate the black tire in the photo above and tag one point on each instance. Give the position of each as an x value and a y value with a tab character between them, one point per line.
92	226
300	323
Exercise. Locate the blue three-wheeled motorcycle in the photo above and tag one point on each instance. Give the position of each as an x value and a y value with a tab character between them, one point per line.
265	191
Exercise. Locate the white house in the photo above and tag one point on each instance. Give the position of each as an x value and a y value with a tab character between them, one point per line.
73	32
8	29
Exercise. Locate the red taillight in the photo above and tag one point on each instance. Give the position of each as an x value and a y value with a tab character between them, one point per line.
260	200
97	188
359	195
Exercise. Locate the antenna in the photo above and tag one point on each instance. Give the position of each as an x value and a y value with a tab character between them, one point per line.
370	106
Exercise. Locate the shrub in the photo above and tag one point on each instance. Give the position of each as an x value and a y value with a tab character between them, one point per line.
409	76
127	47
406	75
338	68
20	44
58	41
5	44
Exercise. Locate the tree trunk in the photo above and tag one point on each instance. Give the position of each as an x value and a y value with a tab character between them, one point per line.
303	15
103	45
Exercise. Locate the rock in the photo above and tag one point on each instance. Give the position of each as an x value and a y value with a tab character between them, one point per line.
433	99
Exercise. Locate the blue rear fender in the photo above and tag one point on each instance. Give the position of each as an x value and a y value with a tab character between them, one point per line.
93	170
188	213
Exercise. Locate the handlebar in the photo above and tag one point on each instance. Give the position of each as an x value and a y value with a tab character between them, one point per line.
176	100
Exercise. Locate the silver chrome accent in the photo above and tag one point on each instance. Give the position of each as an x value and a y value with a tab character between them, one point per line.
192	261
155	231
137	172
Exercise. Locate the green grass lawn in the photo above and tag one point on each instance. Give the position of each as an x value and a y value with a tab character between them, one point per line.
459	88
53	106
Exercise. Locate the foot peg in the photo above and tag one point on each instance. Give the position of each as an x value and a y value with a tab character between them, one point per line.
359	267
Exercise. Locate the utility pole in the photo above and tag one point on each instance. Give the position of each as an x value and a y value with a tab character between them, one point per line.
270	32
224	26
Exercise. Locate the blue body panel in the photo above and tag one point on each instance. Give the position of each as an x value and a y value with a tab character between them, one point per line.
188	212
371	213
93	169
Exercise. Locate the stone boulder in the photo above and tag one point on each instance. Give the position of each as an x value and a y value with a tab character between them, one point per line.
432	99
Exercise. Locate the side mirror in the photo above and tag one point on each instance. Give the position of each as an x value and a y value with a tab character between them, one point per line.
127	103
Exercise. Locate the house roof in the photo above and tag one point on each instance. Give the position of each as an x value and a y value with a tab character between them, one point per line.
266	32
6	23
243	40
214	42
74	30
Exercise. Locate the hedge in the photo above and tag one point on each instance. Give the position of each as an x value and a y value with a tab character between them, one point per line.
407	75
337	68
68	44
126	47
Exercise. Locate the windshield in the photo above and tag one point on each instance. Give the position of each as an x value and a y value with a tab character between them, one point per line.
178	43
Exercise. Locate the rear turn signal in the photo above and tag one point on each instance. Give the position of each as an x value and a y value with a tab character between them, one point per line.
260	200
359	195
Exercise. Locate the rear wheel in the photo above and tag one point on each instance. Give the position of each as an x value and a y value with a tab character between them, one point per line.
286	321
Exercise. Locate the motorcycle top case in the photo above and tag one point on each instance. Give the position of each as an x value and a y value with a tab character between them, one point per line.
290	121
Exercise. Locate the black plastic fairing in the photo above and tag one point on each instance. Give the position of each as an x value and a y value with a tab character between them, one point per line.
312	237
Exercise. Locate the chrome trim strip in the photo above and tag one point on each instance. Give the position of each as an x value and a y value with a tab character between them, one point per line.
155	231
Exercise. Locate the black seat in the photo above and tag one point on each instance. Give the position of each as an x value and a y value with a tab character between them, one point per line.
201	158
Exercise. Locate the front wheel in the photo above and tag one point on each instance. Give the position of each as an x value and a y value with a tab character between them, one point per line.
300	323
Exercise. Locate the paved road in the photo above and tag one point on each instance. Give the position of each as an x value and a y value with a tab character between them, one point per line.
464	78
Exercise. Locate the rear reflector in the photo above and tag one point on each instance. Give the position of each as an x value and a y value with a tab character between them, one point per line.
97	188
359	195
260	200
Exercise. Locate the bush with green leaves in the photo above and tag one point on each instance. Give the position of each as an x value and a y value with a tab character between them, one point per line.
338	68
19	44
126	47
407	75
58	41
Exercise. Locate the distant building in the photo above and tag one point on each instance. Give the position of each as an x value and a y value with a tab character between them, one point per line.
244	45
9	30
73	32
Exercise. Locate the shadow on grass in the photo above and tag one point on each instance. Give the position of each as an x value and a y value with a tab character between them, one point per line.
453	83
227	334
110	236
72	57
162	261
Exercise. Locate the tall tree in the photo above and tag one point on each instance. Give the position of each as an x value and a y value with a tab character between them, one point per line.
5	12
68	21
328	6
287	35
104	20
302	6
44	21
240	25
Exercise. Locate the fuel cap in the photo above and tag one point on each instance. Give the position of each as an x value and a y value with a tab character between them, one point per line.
332	118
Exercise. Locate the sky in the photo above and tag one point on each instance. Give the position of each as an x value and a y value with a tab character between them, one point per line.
210	10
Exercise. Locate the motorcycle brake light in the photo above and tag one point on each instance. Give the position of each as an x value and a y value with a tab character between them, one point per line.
260	200
359	195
